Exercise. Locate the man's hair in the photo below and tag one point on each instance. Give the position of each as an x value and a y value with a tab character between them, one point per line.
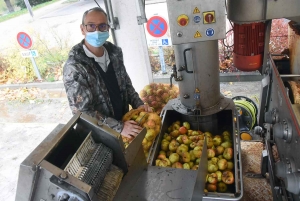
98	9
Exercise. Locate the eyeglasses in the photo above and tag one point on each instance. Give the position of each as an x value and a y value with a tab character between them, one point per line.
101	27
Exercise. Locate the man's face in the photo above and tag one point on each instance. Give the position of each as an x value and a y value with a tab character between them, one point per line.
93	17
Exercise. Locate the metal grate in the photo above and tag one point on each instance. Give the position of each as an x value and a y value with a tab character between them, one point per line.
91	162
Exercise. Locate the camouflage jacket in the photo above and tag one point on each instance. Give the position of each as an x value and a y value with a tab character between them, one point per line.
86	90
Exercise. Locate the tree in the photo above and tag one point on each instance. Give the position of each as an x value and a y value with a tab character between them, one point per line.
9	6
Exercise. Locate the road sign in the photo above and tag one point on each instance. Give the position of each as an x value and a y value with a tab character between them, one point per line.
157	26
29	53
24	40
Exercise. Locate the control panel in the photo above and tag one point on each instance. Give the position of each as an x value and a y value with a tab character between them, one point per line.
196	20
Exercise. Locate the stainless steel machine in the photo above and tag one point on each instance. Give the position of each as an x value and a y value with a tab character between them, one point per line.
85	159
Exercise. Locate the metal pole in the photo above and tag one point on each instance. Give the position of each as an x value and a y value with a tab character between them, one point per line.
36	70
28	7
162	60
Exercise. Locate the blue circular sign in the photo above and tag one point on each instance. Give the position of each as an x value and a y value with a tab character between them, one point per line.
210	32
24	40
157	26
197	19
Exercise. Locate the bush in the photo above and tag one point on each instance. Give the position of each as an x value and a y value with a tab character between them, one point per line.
50	60
21	3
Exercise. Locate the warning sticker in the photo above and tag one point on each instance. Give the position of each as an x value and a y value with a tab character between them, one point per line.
197	35
196	10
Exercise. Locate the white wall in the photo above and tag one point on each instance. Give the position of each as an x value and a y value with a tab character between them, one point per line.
131	38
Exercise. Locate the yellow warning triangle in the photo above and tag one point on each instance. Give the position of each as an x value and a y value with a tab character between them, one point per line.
197	35
196	10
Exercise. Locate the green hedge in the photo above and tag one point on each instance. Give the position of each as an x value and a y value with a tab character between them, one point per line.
21	3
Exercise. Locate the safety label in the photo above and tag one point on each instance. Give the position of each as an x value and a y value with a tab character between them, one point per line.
197	19
210	32
197	35
196	10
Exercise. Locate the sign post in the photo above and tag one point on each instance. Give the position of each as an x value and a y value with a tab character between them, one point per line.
25	41
157	27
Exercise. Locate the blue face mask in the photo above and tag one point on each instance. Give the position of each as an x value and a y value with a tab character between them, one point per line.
96	38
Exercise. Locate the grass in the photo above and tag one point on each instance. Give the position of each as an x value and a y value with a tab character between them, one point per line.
24	11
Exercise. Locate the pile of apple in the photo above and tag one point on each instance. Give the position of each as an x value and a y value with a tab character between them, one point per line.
182	148
157	95
149	120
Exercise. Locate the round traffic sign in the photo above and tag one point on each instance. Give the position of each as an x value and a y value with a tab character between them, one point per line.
157	26
24	40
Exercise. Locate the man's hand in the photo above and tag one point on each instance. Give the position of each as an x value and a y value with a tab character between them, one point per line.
131	129
146	107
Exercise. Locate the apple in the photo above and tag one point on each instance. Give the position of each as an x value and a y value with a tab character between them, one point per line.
194	133
189	132
193	145
182	148
208	134
212	178
194	138
192	156
186	157
200	143
177	122
157	161
164	163
167	137
182	130
227	177
195	167
197	161
150	135
173	145
222	164
226	144
214	160
161	156
219	174
211	167
162	152
197	151
217	140
186	125
219	150
186	140
220	157
228	153
176	127
211	187
191	164
186	166
170	129
209	142
201	136
177	165
164	145
210	153
230	165
179	139
174	157
175	133
222	187
225	133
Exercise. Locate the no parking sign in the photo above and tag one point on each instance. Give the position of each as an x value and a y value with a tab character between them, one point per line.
157	26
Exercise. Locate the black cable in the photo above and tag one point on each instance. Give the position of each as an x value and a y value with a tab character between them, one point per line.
97	4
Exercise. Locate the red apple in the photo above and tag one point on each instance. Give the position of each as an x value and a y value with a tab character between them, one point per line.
177	165
227	177
211	187
210	153
182	130
212	178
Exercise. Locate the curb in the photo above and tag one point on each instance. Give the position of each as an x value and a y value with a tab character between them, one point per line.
41	85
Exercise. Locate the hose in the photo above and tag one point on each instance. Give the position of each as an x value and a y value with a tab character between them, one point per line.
247	111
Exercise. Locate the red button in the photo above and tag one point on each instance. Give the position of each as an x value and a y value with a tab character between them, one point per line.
182	21
209	18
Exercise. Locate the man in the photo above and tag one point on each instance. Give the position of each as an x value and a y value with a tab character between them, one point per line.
95	77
